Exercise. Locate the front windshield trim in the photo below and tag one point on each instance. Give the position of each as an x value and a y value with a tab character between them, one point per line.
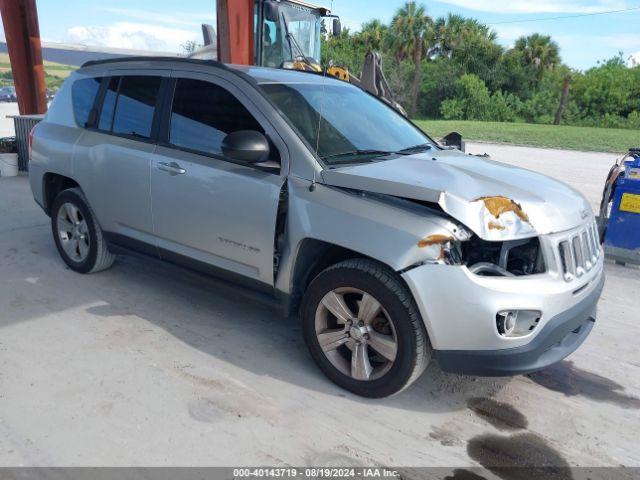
357	160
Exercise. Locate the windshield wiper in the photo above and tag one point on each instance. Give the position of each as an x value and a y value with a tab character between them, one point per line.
292	41
416	148
353	153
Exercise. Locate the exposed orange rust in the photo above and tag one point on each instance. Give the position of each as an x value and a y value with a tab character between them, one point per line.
435	240
499	205
495	226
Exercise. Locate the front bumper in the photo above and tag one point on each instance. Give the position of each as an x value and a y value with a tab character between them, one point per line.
459	311
560	337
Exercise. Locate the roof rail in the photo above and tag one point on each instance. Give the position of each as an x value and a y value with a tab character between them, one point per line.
198	61
193	61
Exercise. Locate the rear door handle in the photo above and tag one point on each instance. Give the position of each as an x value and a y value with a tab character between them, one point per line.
171	168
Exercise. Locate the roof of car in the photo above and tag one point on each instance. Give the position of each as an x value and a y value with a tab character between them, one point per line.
281	75
260	75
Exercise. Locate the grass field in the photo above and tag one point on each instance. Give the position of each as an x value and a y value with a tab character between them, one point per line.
549	136
51	68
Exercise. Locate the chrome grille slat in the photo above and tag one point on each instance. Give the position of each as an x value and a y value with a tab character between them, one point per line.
578	255
586	250
568	264
579	252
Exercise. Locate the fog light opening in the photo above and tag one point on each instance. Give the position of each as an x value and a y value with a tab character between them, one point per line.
517	323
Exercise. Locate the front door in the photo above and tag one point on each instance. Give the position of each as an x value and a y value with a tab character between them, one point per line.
206	208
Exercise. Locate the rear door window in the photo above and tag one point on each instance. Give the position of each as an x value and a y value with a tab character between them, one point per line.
135	105
203	114
83	96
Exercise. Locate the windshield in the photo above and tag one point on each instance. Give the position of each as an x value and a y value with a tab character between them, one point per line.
295	34
354	127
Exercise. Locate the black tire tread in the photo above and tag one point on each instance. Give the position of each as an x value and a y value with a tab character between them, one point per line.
104	258
394	283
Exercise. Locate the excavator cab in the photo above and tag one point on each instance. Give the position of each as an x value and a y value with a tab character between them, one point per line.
285	34
288	33
269	33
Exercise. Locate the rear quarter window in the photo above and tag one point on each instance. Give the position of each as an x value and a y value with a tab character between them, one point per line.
83	96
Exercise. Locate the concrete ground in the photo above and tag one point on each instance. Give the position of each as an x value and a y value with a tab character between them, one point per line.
148	365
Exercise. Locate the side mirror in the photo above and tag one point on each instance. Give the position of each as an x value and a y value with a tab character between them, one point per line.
270	11
337	27
246	146
454	139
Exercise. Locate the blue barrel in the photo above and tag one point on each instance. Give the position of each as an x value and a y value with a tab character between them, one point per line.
622	236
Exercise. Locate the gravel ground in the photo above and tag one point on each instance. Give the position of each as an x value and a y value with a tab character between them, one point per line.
149	365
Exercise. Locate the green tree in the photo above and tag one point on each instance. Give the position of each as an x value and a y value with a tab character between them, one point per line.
471	102
189	47
411	37
372	35
454	68
471	46
450	33
539	52
608	89
439	78
345	51
474	102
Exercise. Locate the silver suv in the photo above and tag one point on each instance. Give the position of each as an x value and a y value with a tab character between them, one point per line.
326	201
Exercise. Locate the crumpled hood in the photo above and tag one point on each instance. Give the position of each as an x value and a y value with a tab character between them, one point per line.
527	203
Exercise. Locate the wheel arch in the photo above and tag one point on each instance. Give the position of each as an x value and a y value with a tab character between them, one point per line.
313	256
52	185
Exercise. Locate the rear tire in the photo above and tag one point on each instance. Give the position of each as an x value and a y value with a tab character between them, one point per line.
380	328
77	233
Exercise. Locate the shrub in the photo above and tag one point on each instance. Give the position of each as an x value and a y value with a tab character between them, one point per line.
8	145
473	102
501	109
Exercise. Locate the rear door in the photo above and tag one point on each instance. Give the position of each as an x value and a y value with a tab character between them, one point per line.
113	157
208	210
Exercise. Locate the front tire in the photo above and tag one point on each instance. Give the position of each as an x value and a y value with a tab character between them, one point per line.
363	328
77	233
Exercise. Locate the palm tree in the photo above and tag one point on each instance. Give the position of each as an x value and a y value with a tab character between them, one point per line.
411	37
539	52
447	33
372	35
451	32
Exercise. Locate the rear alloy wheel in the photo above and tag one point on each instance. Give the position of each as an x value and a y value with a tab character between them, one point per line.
77	233
73	232
363	328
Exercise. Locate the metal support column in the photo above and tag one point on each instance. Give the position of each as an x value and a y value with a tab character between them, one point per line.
20	21
235	31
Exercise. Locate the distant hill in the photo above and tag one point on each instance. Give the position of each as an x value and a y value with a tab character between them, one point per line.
76	55
50	68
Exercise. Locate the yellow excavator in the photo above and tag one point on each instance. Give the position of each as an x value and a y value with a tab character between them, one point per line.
284	34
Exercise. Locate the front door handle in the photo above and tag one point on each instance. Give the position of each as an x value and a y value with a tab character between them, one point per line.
171	168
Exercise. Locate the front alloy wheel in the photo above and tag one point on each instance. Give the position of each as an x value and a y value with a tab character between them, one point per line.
363	328
355	333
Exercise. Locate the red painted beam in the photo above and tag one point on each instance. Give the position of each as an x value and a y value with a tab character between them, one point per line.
235	31
20	20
